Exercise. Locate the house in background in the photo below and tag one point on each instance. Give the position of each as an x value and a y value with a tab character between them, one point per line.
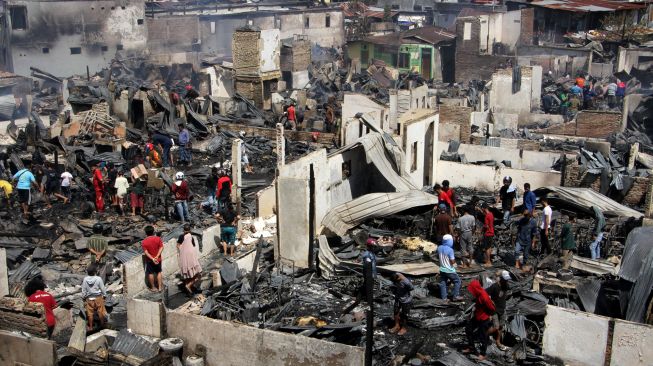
428	51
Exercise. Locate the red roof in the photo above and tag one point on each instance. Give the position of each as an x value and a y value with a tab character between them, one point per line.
587	5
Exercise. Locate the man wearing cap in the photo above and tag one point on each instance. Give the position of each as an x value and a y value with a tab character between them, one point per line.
507	196
448	269
498	293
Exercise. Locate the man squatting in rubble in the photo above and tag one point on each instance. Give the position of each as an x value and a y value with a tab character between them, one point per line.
403	302
478	326
35	292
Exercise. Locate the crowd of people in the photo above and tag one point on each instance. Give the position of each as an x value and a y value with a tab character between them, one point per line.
471	229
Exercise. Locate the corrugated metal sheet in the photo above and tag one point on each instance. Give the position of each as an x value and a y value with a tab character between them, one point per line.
637	304
346	216
587	5
588	292
585	198
637	248
7	105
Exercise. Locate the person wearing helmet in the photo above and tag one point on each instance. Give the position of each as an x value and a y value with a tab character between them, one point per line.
98	245
181	192
448	269
507	196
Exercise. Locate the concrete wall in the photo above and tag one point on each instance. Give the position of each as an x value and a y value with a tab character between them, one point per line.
245	345
4	279
61	25
489	178
357	103
631	344
629	58
266	201
503	100
146	317
16	349
559	60
270	50
529	160
501	28
134	270
500	121
417	140
575	337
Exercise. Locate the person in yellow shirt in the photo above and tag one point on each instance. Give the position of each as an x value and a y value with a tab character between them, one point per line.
7	188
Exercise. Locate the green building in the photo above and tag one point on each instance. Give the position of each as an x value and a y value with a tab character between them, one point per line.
429	51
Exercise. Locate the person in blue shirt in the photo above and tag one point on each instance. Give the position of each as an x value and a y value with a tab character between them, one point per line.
369	256
185	155
448	269
25	180
530	200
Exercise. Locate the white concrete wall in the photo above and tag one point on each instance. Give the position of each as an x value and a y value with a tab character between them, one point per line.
575	337
146	317
134	272
293	221
4	279
236	344
266	201
500	121
415	132
357	103
502	99
529	160
18	350
270	50
631	344
488	178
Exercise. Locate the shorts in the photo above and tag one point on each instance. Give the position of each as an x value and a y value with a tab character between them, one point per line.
151	267
96	305
488	242
137	200
228	235
24	196
52	188
65	190
403	309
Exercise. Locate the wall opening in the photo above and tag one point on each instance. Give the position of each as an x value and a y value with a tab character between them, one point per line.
45	50
467	31
139	21
104	48
311	217
428	154
346	169
413	157
404	60
119	47
75	50
138	114
307	22
360	129
18	16
327	20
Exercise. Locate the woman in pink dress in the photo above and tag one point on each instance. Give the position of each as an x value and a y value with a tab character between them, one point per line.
189	265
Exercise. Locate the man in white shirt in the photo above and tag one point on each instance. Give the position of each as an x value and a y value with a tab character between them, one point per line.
66	181
545	225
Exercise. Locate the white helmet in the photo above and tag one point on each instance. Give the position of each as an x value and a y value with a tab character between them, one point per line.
179	176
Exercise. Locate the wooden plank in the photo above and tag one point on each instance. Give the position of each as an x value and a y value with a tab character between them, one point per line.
78	338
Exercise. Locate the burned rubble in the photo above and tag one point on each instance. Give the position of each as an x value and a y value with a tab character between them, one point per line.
413	195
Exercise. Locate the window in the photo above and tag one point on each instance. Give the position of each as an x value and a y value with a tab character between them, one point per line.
404	60
307	22
413	157
18	16
327	21
467	32
346	169
417	8
119	47
45	50
212	27
104	48
75	50
423	102
394	7
139	21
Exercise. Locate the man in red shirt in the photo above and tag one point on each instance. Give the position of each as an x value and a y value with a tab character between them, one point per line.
152	249
451	196
292	117
478	326
444	197
35	291
488	234
223	192
98	184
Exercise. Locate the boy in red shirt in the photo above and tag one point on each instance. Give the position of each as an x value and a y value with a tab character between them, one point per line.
488	234
478	326
35	292
152	249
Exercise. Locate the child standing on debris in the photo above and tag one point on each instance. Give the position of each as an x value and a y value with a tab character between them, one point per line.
448	269
465	227
35	292
152	249
228	220
478	326
488	234
93	293
599	225
181	192
121	186
189	265
567	241
403	302
25	180
185	154
526	234
66	183
98	185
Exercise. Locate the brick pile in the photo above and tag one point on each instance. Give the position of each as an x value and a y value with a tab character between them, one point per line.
245	46
18	315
